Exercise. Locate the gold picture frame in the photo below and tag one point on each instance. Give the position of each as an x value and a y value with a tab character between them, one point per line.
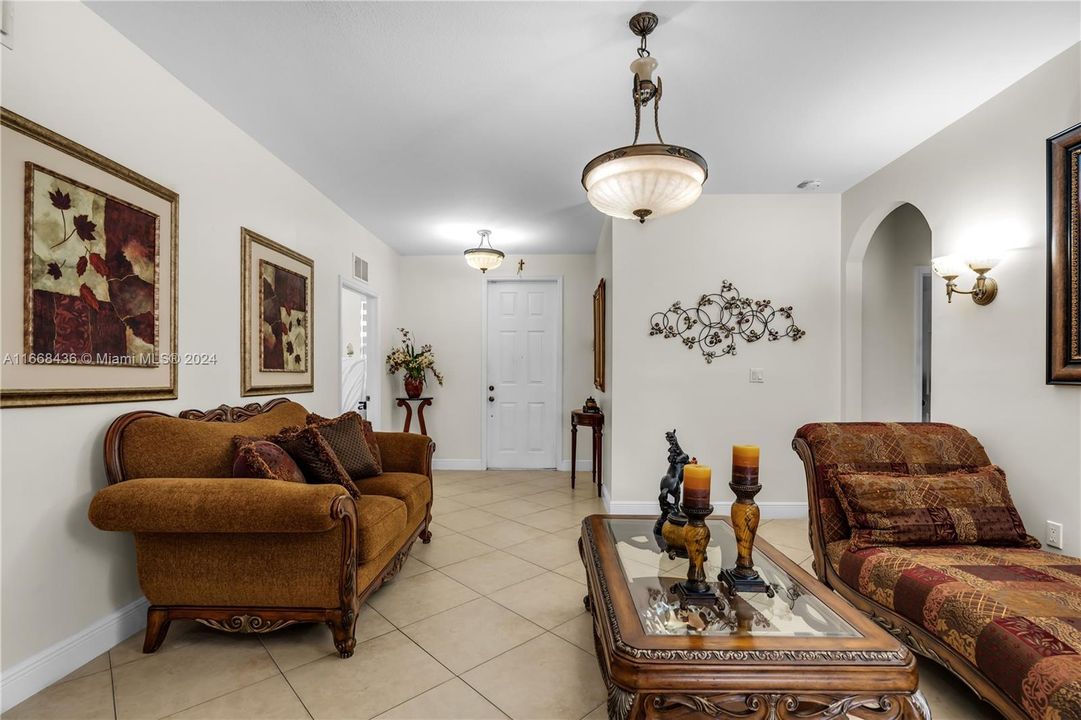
27	382
261	261
599	301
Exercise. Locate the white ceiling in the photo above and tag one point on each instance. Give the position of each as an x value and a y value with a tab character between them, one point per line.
428	120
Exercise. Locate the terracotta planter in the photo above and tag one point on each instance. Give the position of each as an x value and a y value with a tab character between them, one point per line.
414	387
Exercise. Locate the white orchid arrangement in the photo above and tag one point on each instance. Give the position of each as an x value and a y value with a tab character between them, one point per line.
414	362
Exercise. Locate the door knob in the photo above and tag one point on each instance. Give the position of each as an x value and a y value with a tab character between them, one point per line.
491	399
491	388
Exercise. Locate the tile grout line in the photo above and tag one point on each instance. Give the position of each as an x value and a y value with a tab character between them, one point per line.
282	673
544	630
496	657
512	611
230	692
112	682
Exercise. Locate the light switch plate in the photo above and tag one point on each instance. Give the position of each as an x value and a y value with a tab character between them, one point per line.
1054	534
758	375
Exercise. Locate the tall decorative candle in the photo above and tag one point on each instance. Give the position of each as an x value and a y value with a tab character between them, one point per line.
696	479
745	464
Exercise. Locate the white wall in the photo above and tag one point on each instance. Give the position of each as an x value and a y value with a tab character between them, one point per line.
891	371
441	302
74	74
780	247
979	179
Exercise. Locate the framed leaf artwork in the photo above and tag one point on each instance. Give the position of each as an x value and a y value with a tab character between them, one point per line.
276	348
93	246
1064	257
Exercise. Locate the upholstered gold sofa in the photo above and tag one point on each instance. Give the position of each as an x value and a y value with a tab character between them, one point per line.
247	555
1006	620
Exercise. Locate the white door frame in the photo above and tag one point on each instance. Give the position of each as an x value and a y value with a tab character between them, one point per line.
558	434
375	391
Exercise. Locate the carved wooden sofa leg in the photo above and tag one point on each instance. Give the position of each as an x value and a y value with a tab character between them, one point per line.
426	534
157	626
344	630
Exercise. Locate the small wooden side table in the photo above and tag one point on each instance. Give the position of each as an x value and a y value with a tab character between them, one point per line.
407	403
595	421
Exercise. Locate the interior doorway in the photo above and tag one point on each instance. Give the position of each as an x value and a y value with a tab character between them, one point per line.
358	350
523	378
896	320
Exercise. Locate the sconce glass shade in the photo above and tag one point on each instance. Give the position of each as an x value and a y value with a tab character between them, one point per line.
640	181
949	266
985	263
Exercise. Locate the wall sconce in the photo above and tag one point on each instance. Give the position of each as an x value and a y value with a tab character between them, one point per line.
950	267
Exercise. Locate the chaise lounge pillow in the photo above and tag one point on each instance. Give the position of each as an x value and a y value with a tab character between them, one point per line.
315	457
369	436
258	458
956	508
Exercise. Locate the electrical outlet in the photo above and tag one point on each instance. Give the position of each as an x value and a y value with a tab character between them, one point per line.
758	375
1054	534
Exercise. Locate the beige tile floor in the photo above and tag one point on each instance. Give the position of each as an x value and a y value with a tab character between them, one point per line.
485	622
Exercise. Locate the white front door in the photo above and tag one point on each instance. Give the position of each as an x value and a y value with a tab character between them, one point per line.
522	391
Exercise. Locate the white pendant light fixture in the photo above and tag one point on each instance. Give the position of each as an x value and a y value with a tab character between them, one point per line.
484	258
651	179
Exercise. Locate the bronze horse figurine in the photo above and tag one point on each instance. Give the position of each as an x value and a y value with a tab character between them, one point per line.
672	482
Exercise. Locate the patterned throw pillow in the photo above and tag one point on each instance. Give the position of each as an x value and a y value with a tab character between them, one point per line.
346	438
959	508
257	458
369	435
315	457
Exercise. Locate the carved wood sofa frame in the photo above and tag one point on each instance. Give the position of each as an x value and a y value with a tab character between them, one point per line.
912	634
342	620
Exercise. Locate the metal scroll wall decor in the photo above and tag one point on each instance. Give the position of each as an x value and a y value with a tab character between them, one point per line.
715	322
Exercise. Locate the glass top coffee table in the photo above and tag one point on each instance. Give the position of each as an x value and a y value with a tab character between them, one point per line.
803	653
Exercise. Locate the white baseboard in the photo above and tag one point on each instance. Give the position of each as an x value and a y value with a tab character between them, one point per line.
449	464
629	507
452	464
769	510
53	663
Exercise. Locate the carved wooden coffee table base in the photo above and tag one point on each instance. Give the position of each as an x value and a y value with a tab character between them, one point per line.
627	705
802	655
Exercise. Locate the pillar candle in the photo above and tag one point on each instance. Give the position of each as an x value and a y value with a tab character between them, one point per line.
745	464
696	485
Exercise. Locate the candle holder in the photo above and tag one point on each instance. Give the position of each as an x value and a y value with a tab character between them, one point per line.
671	532
695	589
745	515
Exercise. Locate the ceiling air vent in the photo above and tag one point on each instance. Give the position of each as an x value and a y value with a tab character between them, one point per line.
360	268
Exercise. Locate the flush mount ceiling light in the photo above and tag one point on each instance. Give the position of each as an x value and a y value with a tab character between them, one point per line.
651	179
484	258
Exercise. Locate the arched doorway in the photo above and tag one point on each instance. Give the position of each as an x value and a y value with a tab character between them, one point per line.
895	319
